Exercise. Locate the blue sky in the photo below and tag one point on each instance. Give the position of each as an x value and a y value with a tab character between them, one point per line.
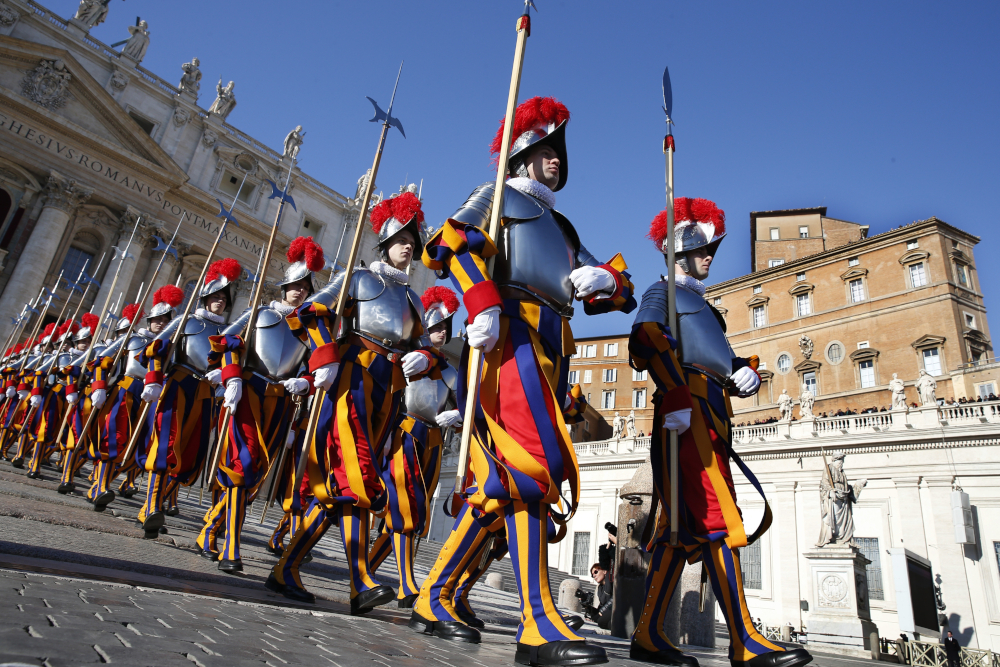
884	112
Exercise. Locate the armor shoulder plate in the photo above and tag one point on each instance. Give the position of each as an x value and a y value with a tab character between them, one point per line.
570	231
268	317
236	327
168	331
417	304
194	325
654	304
519	206
366	285
329	294
137	342
718	316
476	209
689	302
450	376
112	349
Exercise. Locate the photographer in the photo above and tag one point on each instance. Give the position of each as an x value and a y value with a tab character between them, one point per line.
601	612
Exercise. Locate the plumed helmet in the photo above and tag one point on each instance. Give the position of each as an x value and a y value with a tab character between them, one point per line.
440	305
395	214
88	325
540	121
165	300
697	223
129	314
46	333
220	275
305	257
66	329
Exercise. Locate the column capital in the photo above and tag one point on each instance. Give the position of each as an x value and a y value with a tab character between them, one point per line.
63	193
901	482
944	481
786	486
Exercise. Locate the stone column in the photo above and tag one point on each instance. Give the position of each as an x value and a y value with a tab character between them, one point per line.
168	272
948	562
124	283
60	198
912	516
786	557
241	298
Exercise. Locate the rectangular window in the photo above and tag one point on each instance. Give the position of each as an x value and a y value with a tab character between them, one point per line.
970	320
985	389
799	277
963	278
757	289
589	351
918	278
809	380
608	400
587	377
863	345
869	549
803	232
912	244
147	125
610	375
313	229
611	350
750	566
853	261
574	377
581	553
857	290
867	369
230	181
759	319
803	305
932	361
639	376
775	234
75	259
771	263
575	355
717	301
638	398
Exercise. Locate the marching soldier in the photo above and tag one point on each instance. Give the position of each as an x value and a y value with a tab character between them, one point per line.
49	414
363	364
694	380
182	422
411	469
74	455
520	316
36	377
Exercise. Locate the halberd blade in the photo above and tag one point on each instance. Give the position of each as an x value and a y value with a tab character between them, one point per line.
668	95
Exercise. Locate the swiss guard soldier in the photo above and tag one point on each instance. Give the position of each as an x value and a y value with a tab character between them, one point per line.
363	364
54	398
411	470
265	382
74	455
520	316
184	398
40	402
694	380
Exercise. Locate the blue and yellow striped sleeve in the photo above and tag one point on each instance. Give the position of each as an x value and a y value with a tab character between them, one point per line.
651	348
460	251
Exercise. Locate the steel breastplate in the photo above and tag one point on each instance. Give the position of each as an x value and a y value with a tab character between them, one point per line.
702	340
537	256
274	352
426	398
136	345
385	311
194	347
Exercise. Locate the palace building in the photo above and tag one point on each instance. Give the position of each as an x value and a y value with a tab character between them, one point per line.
91	142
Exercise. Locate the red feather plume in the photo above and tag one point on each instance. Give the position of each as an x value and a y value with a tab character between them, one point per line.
228	268
685	209
69	326
90	320
47	331
168	294
530	114
440	294
305	249
403	207
130	312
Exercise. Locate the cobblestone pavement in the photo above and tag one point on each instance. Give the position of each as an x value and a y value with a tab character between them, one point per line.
81	587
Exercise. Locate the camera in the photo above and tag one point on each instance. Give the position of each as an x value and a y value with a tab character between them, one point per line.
611	528
586	598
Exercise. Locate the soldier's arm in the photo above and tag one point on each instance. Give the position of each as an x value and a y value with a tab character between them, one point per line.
621	298
573	414
652	348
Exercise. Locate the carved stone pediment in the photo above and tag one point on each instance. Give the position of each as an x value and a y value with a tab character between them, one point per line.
913	256
851	274
758	300
48	84
928	341
864	354
807	366
801	288
959	256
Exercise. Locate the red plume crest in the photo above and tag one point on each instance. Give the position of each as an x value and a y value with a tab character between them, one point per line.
403	208
90	320
305	249
440	294
531	114
229	268
168	294
687	210
130	311
47	331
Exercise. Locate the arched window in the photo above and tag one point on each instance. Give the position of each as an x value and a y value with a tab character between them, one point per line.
188	290
82	251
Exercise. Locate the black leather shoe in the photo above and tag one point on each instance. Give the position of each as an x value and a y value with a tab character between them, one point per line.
34	475
573	621
210	555
127	493
102	501
18	462
451	630
668	656
560	653
307	558
470	619
66	487
793	658
173	511
408	601
272	584
152	525
364	602
230	566
277	551
290	592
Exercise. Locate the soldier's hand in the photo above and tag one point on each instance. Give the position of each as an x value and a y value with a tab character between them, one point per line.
589	279
11	392
678	420
415	363
746	380
151	392
449	418
297	386
73	398
22	394
234	392
98	396
35	402
484	331
214	377
324	376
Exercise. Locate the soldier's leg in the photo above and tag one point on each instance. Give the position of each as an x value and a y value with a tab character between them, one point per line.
284	577
403	545
151	515
277	541
380	549
648	639
214	520
354	525
236	511
170	496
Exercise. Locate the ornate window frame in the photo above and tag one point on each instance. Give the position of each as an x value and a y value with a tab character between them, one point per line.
826	352
758	300
865	354
802	289
916	256
808	366
855	273
927	342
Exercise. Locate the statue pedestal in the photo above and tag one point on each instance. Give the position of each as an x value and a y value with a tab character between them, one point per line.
684	624
77	28
840	618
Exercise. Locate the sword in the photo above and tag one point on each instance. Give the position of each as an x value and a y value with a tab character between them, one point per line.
668	152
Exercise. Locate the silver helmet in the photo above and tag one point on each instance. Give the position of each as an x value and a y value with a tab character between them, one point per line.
392	216
440	305
539	121
165	300
220	276
305	257
129	313
88	325
693	236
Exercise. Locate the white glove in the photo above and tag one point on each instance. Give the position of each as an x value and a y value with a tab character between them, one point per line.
449	418
214	377
73	398
746	380
590	279
22	394
35	402
415	363
290	440
678	420
324	376
297	386
98	396
11	392
150	392
234	392
484	331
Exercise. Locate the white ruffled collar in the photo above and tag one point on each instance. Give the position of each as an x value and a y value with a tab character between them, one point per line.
211	317
539	191
691	284
388	271
282	307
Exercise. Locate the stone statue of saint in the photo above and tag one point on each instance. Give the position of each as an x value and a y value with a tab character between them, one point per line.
92	12
806	401
225	100
293	142
362	184
836	504
618	426
785	406
138	42
927	388
191	81
630	424
898	390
